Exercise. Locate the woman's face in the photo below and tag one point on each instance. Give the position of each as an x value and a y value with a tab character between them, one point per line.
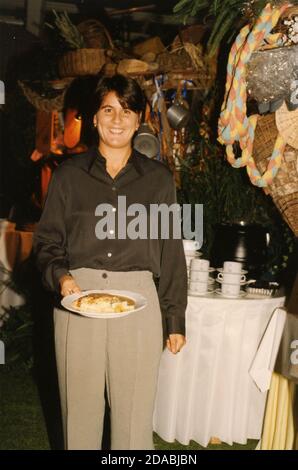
116	125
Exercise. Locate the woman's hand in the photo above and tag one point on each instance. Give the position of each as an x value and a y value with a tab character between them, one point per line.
175	343
68	285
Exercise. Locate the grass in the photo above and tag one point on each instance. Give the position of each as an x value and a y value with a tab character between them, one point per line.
23	424
22	421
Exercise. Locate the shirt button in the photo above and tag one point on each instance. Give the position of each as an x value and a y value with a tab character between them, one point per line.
114	188
109	255
104	275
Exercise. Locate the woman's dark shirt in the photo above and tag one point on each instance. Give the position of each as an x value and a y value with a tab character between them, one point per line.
65	237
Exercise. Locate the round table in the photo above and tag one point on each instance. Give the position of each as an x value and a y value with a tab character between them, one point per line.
216	386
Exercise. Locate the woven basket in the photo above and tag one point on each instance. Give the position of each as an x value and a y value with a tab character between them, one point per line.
288	14
284	188
81	62
95	34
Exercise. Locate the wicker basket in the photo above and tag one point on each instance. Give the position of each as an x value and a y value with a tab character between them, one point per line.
284	188
288	14
81	62
95	34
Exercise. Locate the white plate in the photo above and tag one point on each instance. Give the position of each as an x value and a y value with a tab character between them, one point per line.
221	270
209	281
227	296
195	254
242	283
198	294
210	270
140	303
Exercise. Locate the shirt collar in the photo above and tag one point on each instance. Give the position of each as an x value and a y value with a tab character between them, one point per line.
133	159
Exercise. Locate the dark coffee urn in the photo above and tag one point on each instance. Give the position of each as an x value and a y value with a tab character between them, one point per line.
244	243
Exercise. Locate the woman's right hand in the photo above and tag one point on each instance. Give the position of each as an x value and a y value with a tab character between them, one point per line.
68	285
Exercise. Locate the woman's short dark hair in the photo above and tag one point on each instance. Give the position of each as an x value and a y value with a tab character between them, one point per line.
128	92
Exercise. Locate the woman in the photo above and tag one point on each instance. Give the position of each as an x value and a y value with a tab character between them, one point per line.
122	353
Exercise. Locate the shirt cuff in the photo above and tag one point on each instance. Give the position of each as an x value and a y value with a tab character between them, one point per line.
175	325
53	275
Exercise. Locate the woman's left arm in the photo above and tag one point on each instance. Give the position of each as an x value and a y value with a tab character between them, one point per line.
172	290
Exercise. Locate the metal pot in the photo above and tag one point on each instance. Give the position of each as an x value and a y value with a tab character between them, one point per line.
177	115
244	243
146	142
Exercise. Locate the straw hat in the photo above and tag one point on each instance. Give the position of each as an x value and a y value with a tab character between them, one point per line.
287	125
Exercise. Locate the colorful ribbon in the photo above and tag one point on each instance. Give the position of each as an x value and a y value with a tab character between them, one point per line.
234	125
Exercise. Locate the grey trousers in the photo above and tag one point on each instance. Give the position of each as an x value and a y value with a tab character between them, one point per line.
123	352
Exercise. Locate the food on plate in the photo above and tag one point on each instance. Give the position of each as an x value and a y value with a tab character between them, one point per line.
104	303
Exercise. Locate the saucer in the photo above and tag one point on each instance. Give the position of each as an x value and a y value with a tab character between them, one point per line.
198	294
192	254
221	270
209	280
211	270
242	293
242	283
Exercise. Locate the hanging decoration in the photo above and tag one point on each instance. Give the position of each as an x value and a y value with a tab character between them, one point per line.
234	124
41	102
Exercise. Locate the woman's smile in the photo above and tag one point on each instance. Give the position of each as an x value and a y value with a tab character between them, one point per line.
116	125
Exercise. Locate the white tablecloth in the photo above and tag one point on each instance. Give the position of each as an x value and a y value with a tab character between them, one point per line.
209	388
15	247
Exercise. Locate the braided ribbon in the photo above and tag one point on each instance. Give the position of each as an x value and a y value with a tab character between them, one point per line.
234	125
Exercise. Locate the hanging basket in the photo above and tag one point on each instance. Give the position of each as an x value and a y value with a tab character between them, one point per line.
81	62
284	188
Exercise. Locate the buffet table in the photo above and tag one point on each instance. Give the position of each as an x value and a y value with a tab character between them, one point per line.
216	386
15	247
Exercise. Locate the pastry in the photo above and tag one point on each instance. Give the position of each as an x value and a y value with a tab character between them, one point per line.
104	303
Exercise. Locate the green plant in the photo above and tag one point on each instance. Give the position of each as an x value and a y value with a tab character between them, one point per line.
228	197
227	15
16	324
68	31
16	334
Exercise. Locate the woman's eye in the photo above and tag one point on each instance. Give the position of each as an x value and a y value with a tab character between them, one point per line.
126	112
106	110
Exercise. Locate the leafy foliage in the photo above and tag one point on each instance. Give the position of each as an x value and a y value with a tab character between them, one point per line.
228	197
227	15
68	31
16	333
16	323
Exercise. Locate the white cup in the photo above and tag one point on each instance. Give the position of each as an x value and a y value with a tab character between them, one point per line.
190	245
230	289
232	267
198	286
200	264
188	260
231	278
201	276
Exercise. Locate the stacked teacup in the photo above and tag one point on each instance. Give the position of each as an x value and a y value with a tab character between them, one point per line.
199	281
231	277
190	250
